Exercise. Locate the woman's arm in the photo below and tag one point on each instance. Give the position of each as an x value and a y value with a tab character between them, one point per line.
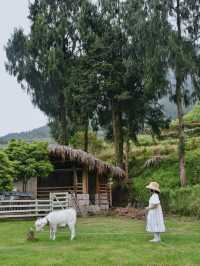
152	206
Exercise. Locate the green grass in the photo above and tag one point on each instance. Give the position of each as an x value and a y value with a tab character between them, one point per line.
191	117
102	241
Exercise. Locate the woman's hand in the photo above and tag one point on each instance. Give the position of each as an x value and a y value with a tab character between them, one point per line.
152	206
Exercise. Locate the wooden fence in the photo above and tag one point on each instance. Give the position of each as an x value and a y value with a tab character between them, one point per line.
33	208
44	192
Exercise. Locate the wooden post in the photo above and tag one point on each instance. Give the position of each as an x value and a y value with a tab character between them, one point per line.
110	191
67	200
85	180
36	207
75	179
98	188
51	202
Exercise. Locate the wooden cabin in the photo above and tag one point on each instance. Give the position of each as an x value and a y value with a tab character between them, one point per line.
80	173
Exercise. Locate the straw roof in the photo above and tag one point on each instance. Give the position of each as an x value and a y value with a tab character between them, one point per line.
66	153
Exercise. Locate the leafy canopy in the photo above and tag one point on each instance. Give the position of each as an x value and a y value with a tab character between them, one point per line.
29	160
6	172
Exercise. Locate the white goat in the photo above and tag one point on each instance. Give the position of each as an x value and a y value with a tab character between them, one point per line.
58	218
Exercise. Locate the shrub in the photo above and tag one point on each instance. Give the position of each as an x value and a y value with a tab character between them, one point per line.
182	201
95	144
6	172
29	160
145	140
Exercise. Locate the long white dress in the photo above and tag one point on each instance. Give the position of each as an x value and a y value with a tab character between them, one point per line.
155	220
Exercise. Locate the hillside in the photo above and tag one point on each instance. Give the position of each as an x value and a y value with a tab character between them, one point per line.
193	116
158	161
42	133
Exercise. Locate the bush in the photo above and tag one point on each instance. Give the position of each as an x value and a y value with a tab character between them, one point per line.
167	174
182	201
6	172
145	140
95	144
29	160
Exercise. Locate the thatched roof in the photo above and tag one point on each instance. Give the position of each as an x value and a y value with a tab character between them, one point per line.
66	153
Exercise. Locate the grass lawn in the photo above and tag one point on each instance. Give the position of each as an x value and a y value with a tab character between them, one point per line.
102	241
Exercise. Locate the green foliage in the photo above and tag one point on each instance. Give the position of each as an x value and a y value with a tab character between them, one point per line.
6	172
95	145
191	117
182	201
29	160
194	115
167	174
93	62
145	140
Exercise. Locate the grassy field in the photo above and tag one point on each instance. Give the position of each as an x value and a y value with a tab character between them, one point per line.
102	241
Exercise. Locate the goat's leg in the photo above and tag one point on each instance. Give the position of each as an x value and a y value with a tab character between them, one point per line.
54	232
50	232
72	230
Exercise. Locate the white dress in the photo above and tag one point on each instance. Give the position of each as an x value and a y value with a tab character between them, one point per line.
155	221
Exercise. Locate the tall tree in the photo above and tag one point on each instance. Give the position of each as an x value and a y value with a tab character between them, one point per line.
42	64
108	48
133	68
183	18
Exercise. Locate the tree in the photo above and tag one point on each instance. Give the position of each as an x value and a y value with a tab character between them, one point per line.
105	51
182	24
6	172
42	60
131	65
184	62
95	145
92	64
85	97
29	160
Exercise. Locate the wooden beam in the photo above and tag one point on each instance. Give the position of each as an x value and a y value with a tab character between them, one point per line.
98	187
85	180
97	183
75	178
66	169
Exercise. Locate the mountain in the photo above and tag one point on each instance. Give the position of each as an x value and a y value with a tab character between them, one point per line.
41	133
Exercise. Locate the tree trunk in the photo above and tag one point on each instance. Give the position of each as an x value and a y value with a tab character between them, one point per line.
181	148
86	139
117	134
179	103
25	181
127	158
63	121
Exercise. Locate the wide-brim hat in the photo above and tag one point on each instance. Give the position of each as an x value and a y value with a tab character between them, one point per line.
154	186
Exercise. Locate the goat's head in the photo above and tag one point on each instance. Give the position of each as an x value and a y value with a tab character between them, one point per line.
40	223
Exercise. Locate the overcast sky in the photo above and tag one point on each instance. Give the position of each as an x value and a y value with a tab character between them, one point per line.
16	110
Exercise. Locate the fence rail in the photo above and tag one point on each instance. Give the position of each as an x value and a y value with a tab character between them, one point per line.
44	192
57	200
33	208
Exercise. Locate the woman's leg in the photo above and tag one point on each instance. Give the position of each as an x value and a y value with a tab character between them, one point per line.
154	238
157	236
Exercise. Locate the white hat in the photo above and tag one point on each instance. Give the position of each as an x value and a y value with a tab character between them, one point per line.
154	186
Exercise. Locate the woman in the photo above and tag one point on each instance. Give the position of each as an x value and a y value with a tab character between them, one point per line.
155	220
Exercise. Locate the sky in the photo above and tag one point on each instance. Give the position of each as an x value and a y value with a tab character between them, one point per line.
16	110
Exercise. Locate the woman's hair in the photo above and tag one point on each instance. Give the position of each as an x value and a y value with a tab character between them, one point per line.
154	191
